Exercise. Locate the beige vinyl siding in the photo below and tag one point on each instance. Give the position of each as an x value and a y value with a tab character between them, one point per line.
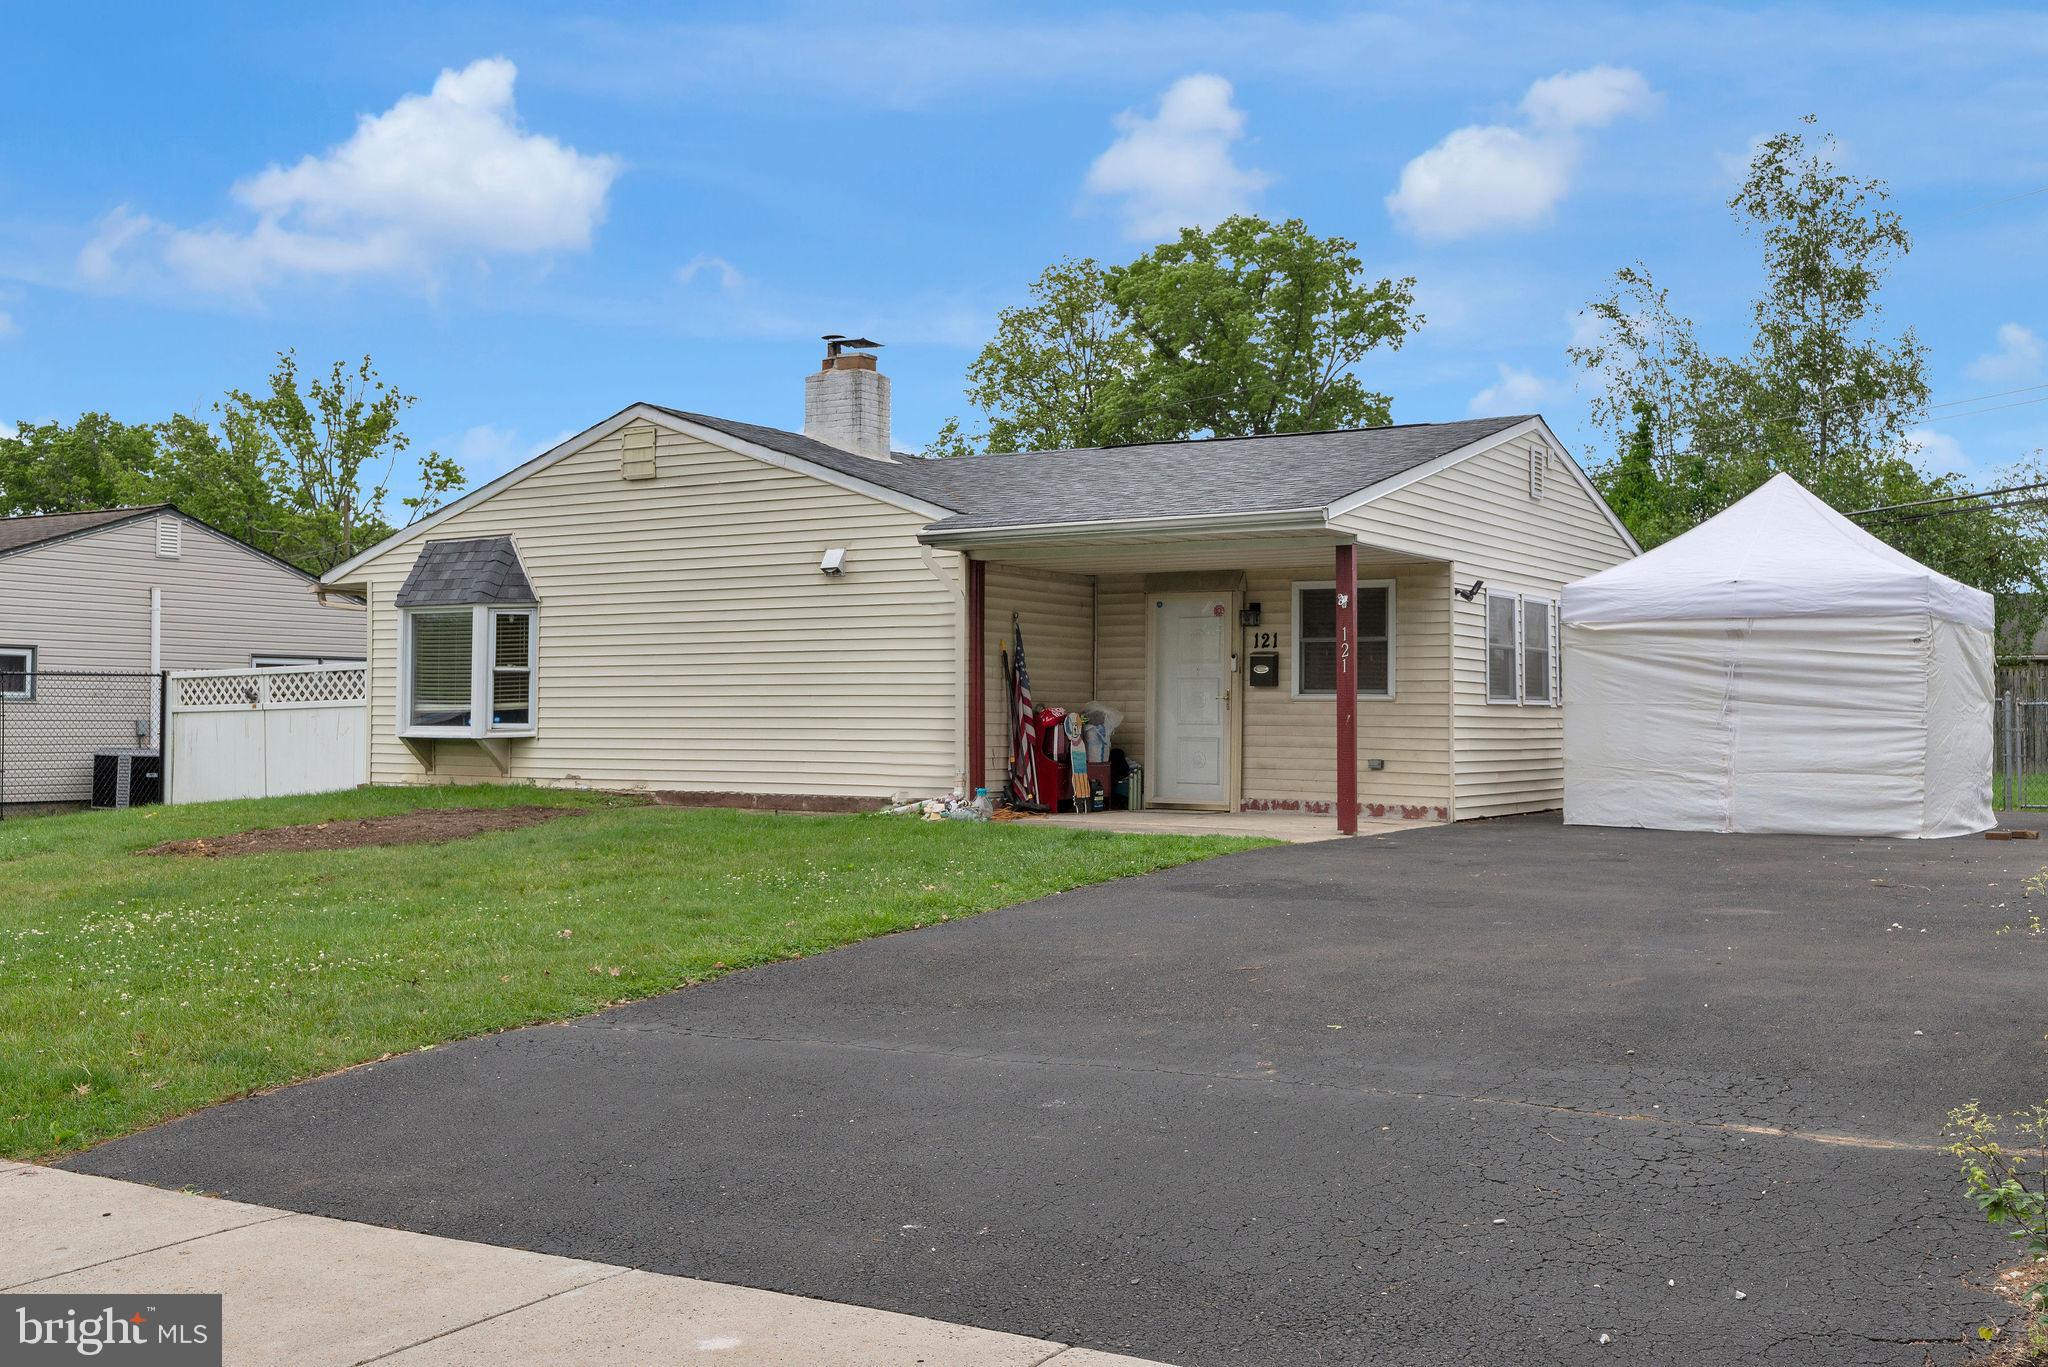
1289	746
1120	665
84	603
1290	743
1058	615
1478	514
687	639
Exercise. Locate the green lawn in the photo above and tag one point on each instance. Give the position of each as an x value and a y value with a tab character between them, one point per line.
134	989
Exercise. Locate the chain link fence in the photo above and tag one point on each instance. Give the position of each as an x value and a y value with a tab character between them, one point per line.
72	738
2019	752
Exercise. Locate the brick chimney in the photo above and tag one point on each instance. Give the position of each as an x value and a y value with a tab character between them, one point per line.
846	400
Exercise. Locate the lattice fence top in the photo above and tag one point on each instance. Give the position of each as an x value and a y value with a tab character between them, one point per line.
297	686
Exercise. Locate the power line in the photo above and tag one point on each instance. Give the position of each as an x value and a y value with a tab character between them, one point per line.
2023	389
1995	408
1952	498
1952	512
1985	204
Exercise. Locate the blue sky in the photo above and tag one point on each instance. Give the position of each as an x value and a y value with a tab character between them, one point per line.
532	217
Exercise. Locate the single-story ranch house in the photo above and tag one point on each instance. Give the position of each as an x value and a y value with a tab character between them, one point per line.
154	588
671	600
89	601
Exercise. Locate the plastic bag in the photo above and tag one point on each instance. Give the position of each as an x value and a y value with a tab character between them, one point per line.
1101	720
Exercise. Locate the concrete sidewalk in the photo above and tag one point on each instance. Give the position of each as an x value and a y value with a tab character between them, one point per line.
312	1291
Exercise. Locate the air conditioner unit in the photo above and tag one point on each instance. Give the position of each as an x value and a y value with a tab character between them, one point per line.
127	778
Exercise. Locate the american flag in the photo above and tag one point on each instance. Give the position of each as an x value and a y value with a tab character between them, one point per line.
1023	729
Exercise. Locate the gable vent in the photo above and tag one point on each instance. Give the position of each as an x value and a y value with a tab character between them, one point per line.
1539	466
636	453
170	538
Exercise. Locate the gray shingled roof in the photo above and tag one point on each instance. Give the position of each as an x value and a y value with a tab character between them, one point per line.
483	569
1163	479
33	529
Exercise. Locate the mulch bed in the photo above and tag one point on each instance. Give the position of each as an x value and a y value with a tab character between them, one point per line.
426	826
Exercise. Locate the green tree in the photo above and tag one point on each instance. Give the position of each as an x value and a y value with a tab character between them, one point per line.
1820	392
1253	327
1246	328
304	476
328	454
224	485
96	462
1058	371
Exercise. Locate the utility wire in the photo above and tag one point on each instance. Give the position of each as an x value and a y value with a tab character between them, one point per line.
1952	498
2023	389
1973	508
1985	204
2018	403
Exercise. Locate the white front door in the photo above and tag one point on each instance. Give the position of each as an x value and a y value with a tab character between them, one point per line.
1191	698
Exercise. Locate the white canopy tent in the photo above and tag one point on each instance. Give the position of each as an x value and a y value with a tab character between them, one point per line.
1778	668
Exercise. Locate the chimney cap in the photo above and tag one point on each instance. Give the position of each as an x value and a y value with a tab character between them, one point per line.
836	342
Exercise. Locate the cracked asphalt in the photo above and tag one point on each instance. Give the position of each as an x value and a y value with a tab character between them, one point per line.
1476	1094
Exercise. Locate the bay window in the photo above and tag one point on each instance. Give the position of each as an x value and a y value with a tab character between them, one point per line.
469	671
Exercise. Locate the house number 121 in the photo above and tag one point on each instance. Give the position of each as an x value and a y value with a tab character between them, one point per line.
1265	640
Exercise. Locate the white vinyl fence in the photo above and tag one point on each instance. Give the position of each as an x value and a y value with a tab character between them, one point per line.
267	732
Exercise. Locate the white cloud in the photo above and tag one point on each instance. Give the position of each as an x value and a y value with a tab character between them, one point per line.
99	261
1516	391
8	327
1592	98
1488	177
1479	179
2017	359
729	277
449	172
1937	452
1177	169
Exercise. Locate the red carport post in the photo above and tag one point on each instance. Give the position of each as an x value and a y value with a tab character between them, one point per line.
1347	689
977	687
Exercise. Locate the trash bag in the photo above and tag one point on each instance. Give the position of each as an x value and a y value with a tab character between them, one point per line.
1100	721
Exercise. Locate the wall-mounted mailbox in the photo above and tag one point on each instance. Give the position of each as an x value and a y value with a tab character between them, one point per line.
1265	670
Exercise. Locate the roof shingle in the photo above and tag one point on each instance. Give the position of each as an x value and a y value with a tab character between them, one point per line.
33	529
1217	475
483	569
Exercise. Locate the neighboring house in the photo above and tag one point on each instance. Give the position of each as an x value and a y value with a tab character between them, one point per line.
676	601
90	602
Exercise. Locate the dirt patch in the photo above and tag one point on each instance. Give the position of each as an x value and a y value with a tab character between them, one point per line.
426	826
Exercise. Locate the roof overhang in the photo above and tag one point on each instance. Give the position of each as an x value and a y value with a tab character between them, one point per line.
1372	493
1205	526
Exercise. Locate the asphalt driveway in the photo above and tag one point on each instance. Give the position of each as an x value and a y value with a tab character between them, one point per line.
1467	1095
